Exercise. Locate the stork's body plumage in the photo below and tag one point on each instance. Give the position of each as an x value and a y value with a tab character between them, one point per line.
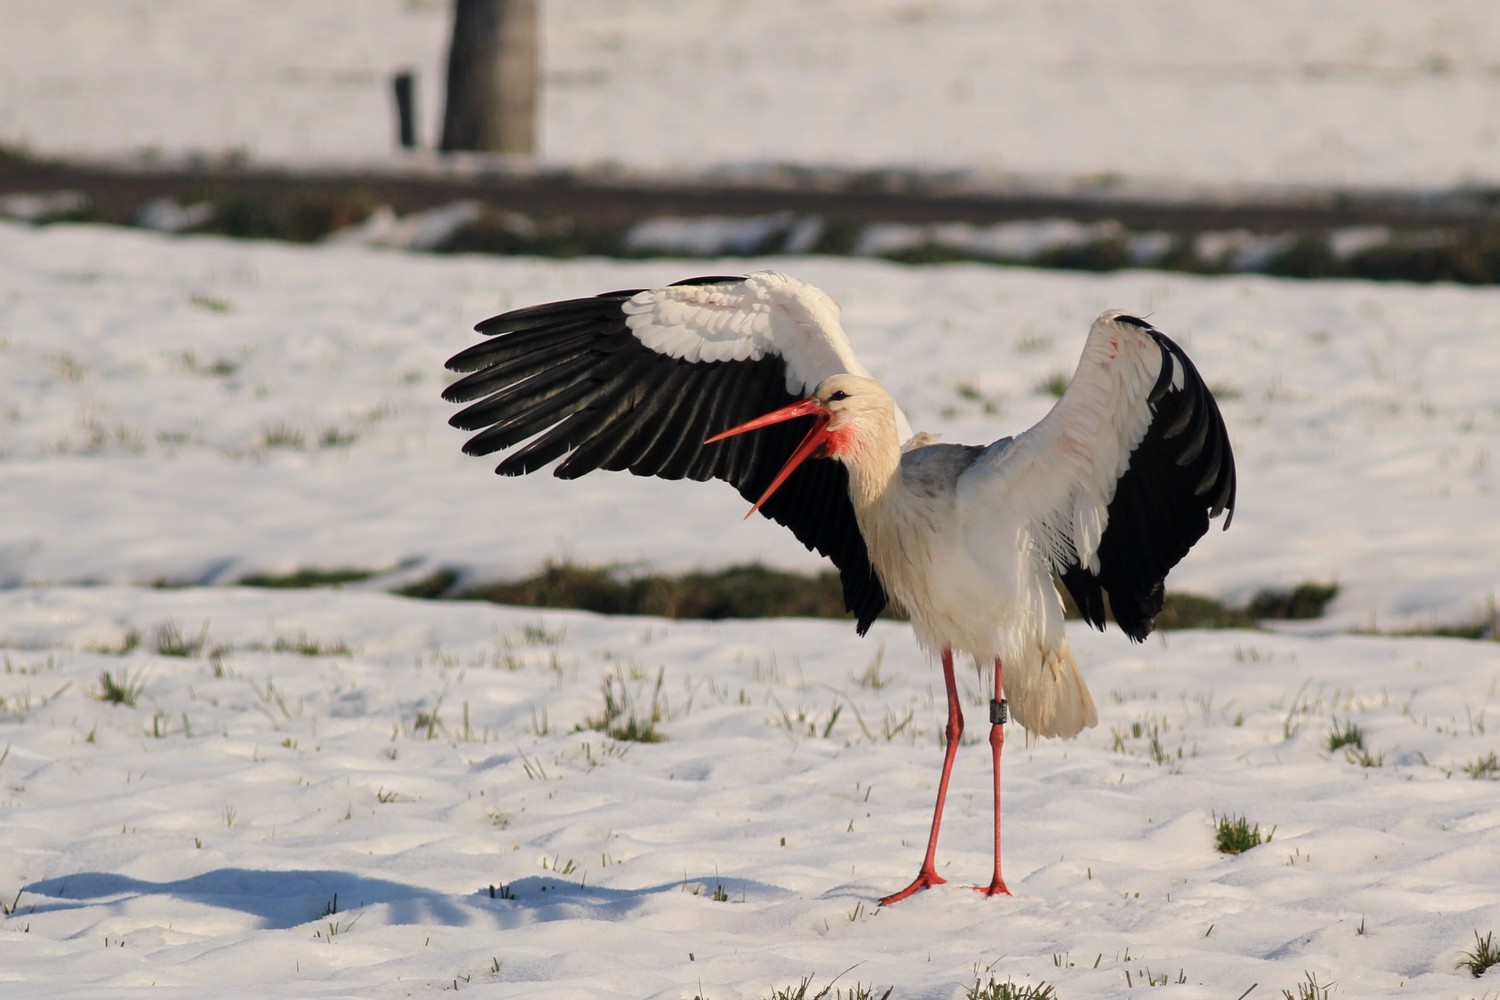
1106	493
954	554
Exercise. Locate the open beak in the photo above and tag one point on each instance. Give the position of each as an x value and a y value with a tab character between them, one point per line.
812	444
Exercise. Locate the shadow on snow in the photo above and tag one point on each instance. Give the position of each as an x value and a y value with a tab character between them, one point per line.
284	899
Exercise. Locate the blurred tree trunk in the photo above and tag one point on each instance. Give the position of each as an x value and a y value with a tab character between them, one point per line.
492	77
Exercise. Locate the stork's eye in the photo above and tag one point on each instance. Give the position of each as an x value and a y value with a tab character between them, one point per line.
837	395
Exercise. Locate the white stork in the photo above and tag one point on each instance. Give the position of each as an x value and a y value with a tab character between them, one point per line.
1107	492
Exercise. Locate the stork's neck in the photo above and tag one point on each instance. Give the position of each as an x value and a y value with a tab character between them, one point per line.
906	517
873	457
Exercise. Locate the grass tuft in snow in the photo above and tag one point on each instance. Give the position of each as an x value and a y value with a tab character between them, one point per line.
128	643
830	992
1486	767
1236	835
304	645
1053	385
623	718
1309	989
171	641
871	680
1148	731
209	303
282	435
970	392
10	911
122	690
891	724
806	721
1349	738
1484	955
1008	990
336	437
1347	735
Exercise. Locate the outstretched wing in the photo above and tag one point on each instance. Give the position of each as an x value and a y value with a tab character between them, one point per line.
1120	479
637	380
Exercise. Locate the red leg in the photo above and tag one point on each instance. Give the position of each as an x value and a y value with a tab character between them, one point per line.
927	876
997	743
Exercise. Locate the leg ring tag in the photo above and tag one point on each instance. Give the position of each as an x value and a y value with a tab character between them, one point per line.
999	716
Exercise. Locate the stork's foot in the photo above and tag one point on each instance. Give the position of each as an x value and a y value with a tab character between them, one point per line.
926	879
995	888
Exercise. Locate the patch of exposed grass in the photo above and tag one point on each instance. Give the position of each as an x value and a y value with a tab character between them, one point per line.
1182	609
748	591
1304	601
1236	835
438	583
304	578
300	217
1187	610
1483	957
508	233
1476	631
755	591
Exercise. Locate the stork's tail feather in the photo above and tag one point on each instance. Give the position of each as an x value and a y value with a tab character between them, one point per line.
1048	695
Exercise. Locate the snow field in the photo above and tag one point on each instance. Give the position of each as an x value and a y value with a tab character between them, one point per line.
1347	93
332	824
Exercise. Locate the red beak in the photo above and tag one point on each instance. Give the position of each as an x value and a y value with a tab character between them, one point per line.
817	437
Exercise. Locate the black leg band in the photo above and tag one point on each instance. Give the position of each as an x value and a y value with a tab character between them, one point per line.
998	714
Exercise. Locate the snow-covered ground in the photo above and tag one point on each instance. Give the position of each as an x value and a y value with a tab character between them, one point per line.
191	410
332	822
1342	92
238	408
343	793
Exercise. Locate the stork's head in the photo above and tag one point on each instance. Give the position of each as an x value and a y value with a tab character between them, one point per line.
849	411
